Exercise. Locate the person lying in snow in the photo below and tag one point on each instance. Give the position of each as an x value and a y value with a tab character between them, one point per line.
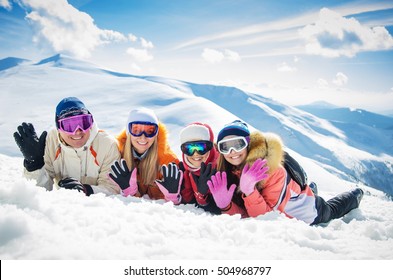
74	155
199	156
252	166
145	151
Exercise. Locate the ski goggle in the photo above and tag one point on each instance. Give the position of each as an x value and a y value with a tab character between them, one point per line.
72	124
147	128
237	144
201	147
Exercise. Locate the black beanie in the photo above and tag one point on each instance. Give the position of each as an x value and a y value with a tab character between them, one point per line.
68	107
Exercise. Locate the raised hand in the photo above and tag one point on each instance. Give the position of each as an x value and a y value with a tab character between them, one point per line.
31	146
218	187
252	175
171	183
205	173
124	178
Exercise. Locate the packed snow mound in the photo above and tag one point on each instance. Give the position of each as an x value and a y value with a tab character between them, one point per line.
65	224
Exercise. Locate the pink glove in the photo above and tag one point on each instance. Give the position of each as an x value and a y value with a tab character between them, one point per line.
124	178
133	188
252	175
218	187
171	183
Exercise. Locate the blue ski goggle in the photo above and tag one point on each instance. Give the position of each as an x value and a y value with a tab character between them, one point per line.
201	147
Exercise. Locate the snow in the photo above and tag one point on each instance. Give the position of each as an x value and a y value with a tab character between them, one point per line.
66	225
34	224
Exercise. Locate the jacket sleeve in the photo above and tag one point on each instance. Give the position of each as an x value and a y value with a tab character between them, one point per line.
256	204
104	184
236	209
41	176
263	201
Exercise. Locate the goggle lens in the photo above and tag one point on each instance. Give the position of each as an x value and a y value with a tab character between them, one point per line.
201	147
138	128
72	124
237	144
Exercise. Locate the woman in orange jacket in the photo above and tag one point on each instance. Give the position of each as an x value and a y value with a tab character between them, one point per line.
145	152
251	164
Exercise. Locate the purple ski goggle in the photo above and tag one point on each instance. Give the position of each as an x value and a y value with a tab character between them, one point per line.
72	124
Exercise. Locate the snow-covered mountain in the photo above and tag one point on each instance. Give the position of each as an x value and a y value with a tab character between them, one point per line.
35	224
353	144
348	115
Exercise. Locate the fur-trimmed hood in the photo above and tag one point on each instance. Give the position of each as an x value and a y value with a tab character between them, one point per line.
267	146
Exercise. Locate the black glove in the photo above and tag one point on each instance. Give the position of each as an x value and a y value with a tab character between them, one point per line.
171	178
181	166
70	183
121	175
204	175
31	147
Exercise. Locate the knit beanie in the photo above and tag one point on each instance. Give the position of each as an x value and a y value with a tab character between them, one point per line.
195	132
68	107
236	127
142	115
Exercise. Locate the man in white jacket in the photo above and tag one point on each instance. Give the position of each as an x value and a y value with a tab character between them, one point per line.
75	155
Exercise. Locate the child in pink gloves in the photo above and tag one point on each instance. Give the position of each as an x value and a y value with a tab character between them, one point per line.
199	154
251	165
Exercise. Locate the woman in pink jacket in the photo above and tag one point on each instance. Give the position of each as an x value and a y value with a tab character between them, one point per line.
251	165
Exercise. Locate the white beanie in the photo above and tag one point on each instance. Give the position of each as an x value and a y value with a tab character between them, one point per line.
194	132
142	115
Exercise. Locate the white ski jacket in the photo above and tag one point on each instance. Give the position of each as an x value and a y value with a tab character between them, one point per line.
89	164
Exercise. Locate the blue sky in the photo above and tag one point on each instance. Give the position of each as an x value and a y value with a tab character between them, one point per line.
294	51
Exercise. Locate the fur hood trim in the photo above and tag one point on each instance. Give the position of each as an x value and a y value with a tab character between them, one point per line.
267	146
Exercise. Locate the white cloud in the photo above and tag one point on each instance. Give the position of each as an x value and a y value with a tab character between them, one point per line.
141	55
232	56
132	37
333	36
5	4
215	56
340	80
212	56
322	83
284	67
146	44
66	29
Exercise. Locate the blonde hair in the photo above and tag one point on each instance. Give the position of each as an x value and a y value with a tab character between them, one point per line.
148	167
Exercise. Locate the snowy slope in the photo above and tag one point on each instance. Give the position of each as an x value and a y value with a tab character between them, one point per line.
358	152
355	152
35	224
348	115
